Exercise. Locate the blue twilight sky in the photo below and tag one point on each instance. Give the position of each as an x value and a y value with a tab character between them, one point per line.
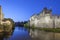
20	10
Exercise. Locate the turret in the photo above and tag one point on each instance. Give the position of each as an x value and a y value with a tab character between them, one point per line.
47	11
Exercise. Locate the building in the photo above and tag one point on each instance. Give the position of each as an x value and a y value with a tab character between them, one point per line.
2	18
45	19
1	15
6	24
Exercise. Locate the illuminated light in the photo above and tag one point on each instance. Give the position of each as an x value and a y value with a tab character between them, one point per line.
8	22
47	19
36	21
33	18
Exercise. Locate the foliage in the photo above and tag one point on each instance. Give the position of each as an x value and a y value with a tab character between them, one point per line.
46	29
26	25
12	22
33	27
5	27
50	29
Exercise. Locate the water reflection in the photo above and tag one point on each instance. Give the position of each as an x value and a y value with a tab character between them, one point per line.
21	33
42	35
6	35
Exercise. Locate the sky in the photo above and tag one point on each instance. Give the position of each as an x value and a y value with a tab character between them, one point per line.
22	10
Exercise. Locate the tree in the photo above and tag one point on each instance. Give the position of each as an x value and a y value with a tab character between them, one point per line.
9	19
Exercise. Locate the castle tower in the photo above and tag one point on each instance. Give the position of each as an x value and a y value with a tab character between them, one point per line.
47	11
1	15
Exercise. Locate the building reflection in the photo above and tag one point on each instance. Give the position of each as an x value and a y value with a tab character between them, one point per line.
6	35
42	35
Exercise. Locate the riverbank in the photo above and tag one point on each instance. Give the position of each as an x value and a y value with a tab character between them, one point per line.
45	29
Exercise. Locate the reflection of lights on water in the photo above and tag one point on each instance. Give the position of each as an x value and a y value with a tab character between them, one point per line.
33	34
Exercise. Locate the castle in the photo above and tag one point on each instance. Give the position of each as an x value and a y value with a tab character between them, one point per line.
45	19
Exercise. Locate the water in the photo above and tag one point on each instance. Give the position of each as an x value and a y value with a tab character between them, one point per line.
21	33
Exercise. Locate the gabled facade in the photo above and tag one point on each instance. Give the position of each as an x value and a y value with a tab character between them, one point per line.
45	19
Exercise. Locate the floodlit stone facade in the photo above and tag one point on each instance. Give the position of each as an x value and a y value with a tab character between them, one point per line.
2	18
1	15
45	19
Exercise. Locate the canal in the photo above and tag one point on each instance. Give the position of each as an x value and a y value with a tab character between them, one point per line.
21	33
